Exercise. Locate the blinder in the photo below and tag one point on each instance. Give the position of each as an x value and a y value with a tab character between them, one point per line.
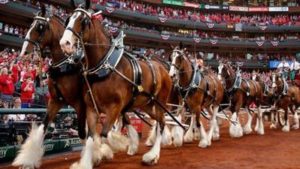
67	21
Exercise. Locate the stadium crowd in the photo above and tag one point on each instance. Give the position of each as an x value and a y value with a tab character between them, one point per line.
195	15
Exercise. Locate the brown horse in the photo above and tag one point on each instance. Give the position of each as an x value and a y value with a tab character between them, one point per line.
287	98
242	93
113	93
199	91
65	85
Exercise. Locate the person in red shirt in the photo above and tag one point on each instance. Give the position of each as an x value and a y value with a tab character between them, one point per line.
27	91
7	86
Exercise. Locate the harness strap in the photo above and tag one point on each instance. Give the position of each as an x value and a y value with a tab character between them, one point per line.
154	87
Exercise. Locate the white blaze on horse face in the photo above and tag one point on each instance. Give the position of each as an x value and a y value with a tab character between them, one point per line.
273	80
254	77
26	43
174	56
68	39
220	68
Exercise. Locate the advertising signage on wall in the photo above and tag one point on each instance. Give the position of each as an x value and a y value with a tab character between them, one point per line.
258	9
278	9
153	1
193	5
238	8
173	2
217	7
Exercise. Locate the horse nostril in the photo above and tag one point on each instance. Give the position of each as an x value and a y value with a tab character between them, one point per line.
68	43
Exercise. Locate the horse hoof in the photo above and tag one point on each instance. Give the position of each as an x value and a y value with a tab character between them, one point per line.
216	137
295	127
132	150
149	159
285	129
273	126
203	144
247	130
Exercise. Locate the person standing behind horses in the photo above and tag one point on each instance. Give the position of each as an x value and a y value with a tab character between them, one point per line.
284	68
7	86
27	91
295	66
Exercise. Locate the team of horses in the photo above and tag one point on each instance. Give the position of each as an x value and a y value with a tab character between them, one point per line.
94	74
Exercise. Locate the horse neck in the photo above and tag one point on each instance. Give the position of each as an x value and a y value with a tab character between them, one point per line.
57	32
230	78
185	74
95	53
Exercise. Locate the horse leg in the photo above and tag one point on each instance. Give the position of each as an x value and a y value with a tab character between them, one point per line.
81	117
296	118
214	124
274	120
32	150
260	130
247	128
286	127
236	130
177	133
152	157
91	153
133	136
189	135
116	140
203	135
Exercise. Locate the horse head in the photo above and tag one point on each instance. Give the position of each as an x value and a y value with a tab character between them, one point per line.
82	30
78	28
277	82
43	32
176	60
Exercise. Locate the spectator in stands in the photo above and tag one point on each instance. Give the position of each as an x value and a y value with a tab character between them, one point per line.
17	117
283	67
27	91
7	87
295	66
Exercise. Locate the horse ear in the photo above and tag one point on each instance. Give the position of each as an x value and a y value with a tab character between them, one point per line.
43	10
180	45
87	4
73	4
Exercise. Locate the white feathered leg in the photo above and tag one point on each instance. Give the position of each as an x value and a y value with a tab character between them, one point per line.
189	135
117	141
166	137
151	138
32	150
235	130
177	134
296	121
286	128
133	140
152	157
203	137
261	128
247	128
216	131
86	161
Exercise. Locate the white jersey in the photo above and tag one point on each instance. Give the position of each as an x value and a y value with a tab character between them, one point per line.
295	65
283	66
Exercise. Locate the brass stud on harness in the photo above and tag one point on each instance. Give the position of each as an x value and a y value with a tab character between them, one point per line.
140	88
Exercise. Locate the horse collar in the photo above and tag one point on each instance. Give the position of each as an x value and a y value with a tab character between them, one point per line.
194	83
111	59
